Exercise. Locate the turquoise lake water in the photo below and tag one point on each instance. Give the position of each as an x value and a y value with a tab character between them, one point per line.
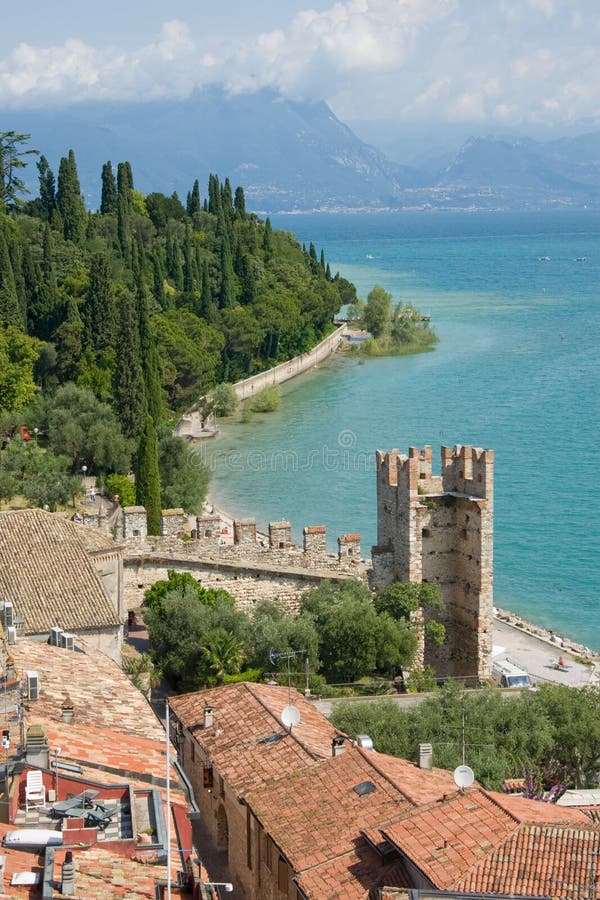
516	370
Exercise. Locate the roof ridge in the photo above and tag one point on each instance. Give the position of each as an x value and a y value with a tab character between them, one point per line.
290	731
499	805
366	754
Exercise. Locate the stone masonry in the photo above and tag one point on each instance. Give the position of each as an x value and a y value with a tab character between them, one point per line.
439	528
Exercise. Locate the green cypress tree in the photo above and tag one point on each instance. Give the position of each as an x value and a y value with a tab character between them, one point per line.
124	228
208	309
147	479
158	280
227	293
16	260
322	260
49	277
240	203
227	199
125	182
128	387
214	195
47	187
69	200
188	264
68	341
10	313
98	308
108	201
268	240
247	280
193	204
151	366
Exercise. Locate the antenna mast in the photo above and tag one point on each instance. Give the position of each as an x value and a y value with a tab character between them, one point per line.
287	655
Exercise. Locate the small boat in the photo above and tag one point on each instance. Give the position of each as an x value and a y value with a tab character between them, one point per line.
581	259
370	256
32	837
543	258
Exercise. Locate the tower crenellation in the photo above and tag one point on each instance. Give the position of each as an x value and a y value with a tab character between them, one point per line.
439	528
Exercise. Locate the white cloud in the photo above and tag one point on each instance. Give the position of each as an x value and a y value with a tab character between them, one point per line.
457	60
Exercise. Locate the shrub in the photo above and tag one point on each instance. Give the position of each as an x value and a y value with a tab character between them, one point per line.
122	486
266	400
225	400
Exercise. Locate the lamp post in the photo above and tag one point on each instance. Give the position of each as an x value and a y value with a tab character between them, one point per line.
84	470
226	885
36	431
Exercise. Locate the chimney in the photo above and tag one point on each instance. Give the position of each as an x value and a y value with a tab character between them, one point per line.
425	756
68	711
337	745
364	741
208	716
68	875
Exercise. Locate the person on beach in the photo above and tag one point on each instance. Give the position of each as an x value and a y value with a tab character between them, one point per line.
560	663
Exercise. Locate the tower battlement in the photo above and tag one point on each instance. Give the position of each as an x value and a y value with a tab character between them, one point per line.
439	528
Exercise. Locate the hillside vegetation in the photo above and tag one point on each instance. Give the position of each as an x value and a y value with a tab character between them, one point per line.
140	308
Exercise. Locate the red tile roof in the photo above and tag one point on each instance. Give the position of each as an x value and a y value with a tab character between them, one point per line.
355	875
243	716
553	861
47	571
315	815
446	839
493	843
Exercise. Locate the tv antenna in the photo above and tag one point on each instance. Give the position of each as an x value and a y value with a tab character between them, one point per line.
290	716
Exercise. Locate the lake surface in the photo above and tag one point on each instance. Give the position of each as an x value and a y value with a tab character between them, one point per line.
516	370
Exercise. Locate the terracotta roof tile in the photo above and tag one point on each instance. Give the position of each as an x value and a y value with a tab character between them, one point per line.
551	861
315	815
445	839
353	876
48	574
244	715
115	736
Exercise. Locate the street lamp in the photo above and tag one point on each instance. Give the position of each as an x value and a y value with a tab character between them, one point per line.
36	431
84	470
226	885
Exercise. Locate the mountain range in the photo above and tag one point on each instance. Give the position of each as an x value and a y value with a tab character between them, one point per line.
296	156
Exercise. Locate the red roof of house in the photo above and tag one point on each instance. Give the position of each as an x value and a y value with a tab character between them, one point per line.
490	843
247	741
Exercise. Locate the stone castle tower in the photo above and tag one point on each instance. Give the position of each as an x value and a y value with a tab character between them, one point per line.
439	528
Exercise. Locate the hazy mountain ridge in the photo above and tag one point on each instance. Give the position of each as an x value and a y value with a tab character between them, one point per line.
297	156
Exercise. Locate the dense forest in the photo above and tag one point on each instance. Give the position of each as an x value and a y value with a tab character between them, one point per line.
139	309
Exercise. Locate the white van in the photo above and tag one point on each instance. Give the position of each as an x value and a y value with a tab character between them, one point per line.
507	675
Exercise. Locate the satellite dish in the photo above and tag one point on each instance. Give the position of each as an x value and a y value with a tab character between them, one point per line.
463	777
290	716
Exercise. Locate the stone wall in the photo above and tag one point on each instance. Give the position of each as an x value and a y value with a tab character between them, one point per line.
440	529
173	522
286	371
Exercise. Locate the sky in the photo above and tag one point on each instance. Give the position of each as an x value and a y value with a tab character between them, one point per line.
490	63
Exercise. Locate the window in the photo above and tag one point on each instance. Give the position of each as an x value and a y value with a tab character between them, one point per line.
268	853
208	777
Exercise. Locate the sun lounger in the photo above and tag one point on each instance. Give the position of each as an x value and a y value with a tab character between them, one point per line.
74	806
99	817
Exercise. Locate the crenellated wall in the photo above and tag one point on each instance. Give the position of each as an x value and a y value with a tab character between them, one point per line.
439	528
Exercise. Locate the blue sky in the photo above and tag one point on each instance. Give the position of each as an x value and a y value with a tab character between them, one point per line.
493	63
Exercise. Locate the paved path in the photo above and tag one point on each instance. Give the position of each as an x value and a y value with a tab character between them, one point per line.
534	655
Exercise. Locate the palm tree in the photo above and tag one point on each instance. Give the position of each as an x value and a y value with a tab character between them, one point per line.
223	654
